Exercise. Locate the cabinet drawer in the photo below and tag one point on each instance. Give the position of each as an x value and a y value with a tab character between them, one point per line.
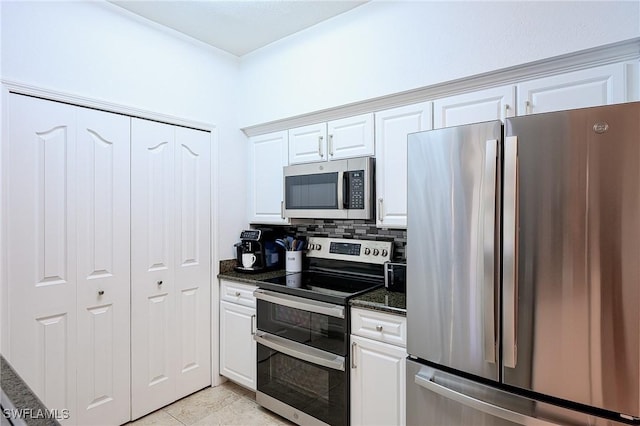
239	293
379	326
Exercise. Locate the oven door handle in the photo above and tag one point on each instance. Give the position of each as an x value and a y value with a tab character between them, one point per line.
309	305
300	351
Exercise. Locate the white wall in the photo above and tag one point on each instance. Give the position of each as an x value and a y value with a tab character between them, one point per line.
386	47
99	51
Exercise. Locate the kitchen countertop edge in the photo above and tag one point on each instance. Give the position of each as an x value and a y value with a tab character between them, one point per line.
379	299
382	300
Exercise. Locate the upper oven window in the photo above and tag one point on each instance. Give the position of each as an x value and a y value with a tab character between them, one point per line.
312	192
317	330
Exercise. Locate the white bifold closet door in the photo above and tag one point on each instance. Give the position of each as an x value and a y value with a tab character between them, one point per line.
170	264
67	264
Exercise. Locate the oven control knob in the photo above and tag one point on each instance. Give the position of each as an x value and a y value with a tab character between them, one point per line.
367	251
317	247
385	252
376	252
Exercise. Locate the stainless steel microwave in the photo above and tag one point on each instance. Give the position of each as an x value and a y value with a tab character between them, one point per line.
340	189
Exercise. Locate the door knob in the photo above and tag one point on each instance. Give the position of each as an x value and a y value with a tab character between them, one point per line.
160	282
100	292
378	328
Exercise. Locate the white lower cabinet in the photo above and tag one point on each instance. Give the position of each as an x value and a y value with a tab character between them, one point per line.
378	369
237	327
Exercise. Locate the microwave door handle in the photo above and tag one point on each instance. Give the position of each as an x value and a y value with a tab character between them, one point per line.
345	190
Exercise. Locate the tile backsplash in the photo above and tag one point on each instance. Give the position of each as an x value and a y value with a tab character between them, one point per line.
358	229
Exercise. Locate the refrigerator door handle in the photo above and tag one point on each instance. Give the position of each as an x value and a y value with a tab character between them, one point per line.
487	408
489	201
510	253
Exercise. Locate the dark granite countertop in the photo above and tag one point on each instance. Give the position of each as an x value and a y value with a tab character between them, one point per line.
379	299
20	397
250	278
383	300
228	273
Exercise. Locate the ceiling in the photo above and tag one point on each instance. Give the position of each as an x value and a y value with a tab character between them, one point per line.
238	26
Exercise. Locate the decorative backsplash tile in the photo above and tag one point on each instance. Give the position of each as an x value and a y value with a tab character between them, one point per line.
358	229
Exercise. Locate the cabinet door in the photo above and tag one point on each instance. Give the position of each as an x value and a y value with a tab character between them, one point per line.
192	241
377	383
268	155
392	128
350	137
496	103
40	262
153	327
237	347
308	143
579	89
103	301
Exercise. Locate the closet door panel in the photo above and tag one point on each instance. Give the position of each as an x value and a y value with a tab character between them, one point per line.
153	325
103	149
40	259
193	254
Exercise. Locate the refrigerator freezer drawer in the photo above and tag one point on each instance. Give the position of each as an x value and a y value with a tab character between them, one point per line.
438	398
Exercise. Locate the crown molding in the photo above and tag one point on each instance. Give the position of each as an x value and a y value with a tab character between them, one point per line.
628	50
83	101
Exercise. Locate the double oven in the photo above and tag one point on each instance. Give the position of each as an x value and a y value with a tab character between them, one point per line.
303	331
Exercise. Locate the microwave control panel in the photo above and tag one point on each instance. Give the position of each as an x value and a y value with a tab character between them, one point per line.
356	190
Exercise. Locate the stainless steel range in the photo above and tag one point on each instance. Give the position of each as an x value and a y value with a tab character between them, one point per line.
303	329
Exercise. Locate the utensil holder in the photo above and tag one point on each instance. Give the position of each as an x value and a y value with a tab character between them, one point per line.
293	261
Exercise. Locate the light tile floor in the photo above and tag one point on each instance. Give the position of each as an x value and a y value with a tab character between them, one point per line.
227	404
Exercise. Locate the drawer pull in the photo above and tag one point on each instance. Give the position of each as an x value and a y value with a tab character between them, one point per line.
378	327
237	294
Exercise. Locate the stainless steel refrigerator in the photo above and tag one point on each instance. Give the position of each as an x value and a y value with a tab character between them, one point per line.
523	271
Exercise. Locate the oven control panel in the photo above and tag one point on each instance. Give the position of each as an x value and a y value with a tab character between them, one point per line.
365	251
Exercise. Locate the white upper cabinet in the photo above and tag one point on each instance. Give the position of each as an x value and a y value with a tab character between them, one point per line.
308	143
350	137
579	89
392	128
337	139
268	155
496	103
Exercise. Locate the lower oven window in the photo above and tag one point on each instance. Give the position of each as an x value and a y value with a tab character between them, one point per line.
316	390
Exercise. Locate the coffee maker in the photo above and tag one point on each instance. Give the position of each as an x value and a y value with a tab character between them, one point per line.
261	251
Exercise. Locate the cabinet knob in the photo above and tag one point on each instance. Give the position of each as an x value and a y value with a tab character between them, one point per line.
160	282
378	328
237	294
100	292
